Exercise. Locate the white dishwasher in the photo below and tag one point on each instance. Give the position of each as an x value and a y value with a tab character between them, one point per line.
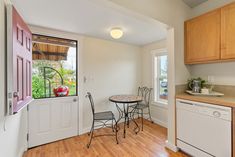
204	130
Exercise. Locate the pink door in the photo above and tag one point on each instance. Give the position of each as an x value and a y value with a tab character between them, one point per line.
19	63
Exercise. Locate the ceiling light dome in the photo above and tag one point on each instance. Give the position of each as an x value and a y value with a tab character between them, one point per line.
116	33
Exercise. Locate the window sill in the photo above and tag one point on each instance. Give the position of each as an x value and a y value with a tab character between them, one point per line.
160	104
55	98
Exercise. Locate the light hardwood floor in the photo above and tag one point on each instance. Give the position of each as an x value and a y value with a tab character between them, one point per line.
147	143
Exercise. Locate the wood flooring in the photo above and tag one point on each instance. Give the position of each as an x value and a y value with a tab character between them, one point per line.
147	143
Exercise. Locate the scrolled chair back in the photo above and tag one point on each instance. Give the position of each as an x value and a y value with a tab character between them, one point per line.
89	96
145	93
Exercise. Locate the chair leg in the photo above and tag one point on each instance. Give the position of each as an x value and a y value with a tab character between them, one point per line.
150	117
128	119
142	118
112	126
91	128
138	113
91	132
116	131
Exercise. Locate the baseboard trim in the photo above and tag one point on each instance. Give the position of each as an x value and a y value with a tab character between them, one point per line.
21	152
85	130
159	122
171	146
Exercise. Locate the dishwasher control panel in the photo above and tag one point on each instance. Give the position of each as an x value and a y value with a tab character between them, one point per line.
215	111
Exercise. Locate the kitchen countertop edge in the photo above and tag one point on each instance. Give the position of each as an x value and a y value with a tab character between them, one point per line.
227	101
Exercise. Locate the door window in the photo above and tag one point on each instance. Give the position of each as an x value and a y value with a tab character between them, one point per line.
54	67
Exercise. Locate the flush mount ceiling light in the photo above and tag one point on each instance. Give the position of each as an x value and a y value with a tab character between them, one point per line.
116	33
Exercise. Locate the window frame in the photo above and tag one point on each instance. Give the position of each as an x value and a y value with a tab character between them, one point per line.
156	100
77	68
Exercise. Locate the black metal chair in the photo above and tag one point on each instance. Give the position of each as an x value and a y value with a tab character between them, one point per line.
102	118
139	108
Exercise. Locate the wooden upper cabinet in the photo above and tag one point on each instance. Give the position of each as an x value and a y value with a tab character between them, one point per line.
228	32
202	38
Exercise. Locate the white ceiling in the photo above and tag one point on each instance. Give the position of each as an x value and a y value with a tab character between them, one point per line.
194	3
90	17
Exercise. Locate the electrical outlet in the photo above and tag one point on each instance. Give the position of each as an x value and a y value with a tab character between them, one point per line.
211	79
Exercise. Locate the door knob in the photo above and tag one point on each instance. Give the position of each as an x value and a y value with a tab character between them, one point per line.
16	94
74	100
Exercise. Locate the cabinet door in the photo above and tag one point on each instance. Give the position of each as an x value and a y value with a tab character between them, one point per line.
228	32
202	38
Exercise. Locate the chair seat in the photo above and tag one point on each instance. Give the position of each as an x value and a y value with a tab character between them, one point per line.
108	115
141	105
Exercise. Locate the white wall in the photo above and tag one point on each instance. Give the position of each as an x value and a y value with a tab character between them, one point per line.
111	68
173	13
223	73
13	140
158	111
147	71
13	137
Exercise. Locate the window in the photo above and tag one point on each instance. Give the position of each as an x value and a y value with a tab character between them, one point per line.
54	67
160	76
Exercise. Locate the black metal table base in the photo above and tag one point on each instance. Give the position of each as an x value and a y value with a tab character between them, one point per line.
128	116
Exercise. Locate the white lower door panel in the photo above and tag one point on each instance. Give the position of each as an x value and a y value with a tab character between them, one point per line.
52	119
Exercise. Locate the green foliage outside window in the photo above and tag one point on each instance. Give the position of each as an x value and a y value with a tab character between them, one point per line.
37	86
68	75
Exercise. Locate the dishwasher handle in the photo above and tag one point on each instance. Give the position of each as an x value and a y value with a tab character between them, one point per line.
188	103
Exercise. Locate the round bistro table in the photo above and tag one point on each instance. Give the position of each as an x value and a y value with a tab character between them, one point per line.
126	101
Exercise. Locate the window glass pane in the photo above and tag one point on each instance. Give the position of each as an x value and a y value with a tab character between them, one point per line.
161	84
163	92
163	65
54	67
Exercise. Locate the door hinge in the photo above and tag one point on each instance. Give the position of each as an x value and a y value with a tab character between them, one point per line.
27	137
28	108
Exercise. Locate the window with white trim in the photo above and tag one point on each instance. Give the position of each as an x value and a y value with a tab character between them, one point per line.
160	60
